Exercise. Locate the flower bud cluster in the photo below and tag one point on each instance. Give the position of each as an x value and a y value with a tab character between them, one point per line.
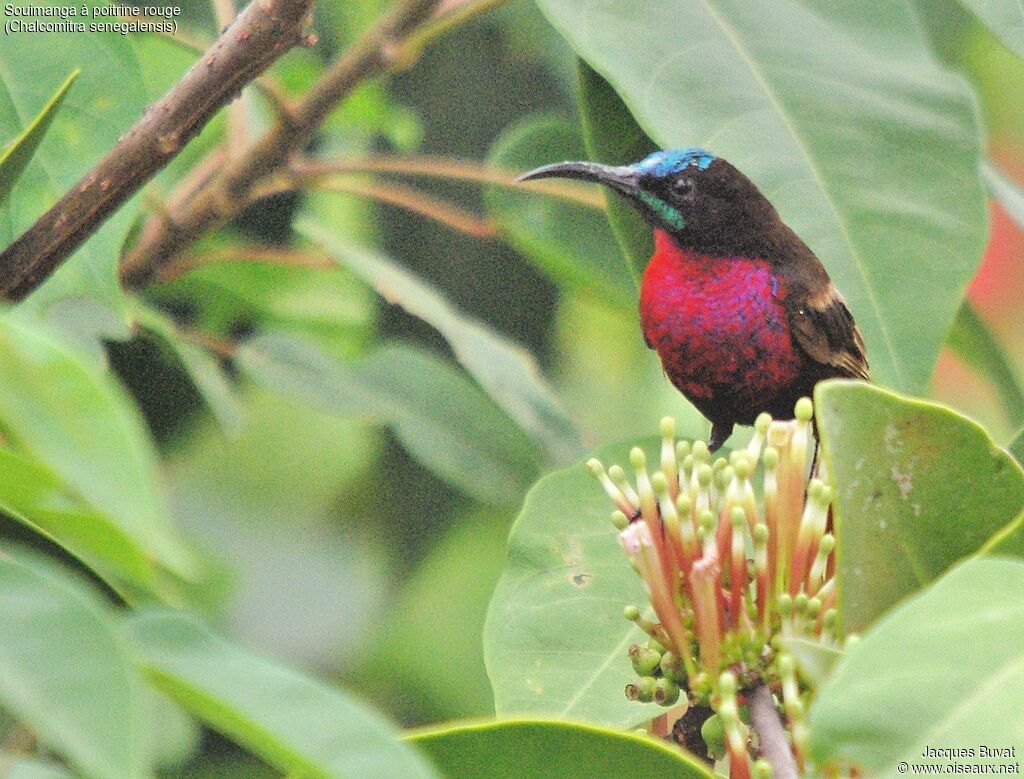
727	574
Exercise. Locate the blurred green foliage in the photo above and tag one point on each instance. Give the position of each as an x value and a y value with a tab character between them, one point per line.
322	457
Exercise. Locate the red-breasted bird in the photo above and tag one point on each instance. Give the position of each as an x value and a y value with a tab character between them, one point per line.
742	314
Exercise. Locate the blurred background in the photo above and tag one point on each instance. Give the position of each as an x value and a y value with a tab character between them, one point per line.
335	549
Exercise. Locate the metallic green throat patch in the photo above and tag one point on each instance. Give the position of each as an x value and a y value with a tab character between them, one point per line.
670	215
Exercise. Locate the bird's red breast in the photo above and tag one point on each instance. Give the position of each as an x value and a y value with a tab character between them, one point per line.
721	330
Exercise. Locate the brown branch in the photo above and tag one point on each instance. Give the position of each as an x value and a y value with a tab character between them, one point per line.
222	197
772	738
261	34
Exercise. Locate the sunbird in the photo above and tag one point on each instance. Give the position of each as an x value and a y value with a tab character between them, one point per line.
741	312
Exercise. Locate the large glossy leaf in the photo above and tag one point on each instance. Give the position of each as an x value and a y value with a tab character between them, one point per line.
570	241
944	670
445	421
505	370
918	487
107	98
65	673
555	640
76	420
539	749
614	138
1005	18
841	116
291	720
16	154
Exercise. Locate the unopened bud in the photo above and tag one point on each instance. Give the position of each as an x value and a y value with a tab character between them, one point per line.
666	692
761	423
826	545
644	660
668	427
804	410
637	458
704	474
738	517
723	477
760	534
742	467
672	667
645	686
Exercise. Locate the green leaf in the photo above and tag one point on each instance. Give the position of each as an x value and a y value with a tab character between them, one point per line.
943	670
975	344
32	494
291	720
444	420
555	640
614	138
1007	192
538	749
570	241
507	372
107	99
845	121
918	487
75	419
16	154
1004	18
65	673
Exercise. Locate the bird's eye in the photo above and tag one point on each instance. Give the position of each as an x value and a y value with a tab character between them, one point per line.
682	188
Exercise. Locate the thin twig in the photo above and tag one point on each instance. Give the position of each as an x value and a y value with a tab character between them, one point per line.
261	34
444	168
774	746
221	198
417	202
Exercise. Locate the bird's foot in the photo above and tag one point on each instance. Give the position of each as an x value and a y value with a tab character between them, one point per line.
720	431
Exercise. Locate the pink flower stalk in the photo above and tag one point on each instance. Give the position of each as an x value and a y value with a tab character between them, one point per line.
725	573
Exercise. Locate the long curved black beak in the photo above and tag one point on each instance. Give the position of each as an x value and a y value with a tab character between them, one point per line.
622	179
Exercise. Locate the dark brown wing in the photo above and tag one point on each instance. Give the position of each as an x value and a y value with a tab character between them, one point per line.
824	328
